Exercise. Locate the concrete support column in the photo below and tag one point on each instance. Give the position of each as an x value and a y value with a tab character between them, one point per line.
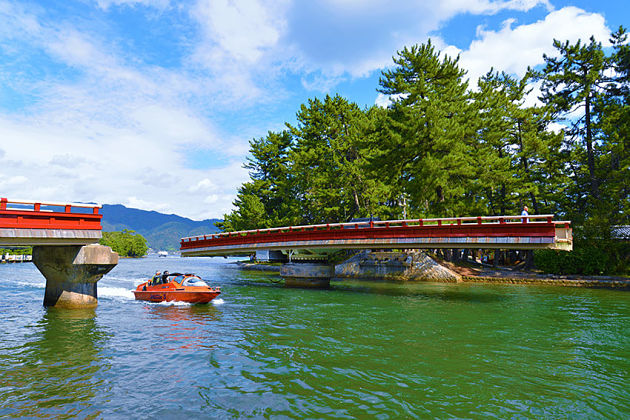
71	273
309	275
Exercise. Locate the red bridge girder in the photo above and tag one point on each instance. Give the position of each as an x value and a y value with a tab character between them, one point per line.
16	214
526	231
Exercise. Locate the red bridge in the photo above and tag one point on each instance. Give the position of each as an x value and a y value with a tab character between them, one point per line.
501	232
46	223
64	238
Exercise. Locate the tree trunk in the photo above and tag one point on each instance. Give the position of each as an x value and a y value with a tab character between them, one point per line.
589	147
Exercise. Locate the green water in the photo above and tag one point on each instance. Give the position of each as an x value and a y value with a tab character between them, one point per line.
357	350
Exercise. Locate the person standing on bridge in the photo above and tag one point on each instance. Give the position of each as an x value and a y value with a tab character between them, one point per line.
525	212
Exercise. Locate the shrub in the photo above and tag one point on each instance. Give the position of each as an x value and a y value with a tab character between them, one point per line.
126	243
589	257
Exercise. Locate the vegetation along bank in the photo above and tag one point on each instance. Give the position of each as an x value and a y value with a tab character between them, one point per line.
447	146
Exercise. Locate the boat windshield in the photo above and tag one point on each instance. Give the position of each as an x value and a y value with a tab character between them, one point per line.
194	281
179	279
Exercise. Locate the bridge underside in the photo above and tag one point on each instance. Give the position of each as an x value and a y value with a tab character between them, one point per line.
33	237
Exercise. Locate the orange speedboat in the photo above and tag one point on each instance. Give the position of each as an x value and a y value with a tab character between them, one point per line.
176	287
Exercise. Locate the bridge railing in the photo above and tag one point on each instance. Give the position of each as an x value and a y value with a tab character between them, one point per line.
26	214
438	223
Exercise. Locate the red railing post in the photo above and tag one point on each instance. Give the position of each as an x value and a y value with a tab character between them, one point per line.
95	210
36	206
68	208
3	203
478	220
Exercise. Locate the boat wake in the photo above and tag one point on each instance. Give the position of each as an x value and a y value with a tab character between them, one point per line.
171	303
217	301
33	284
119	293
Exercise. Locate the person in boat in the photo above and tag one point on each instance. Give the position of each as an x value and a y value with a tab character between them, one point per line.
156	278
165	277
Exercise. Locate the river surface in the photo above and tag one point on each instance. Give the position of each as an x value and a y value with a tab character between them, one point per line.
357	350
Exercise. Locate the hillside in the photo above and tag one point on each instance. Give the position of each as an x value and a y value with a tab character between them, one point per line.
162	231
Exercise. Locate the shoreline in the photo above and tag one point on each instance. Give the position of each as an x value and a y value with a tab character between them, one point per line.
485	275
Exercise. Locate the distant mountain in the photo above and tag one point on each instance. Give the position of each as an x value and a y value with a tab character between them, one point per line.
162	231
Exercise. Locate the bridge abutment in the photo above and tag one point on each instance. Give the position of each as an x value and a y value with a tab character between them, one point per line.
308	275
71	273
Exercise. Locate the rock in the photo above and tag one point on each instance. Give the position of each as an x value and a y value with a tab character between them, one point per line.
401	266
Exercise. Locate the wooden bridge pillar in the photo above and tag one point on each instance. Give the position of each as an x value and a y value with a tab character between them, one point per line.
309	275
71	273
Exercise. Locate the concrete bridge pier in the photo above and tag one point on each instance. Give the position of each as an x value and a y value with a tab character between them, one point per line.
72	271
308	275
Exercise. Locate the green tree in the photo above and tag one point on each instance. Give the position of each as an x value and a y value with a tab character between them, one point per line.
615	128
573	84
426	141
332	182
516	150
126	243
269	199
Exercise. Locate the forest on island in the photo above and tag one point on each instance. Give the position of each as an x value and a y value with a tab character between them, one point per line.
448	146
127	243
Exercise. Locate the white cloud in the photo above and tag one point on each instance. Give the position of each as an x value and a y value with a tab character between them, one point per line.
158	4
236	44
358	37
203	185
491	7
247	42
241	30
6	182
382	100
515	47
117	132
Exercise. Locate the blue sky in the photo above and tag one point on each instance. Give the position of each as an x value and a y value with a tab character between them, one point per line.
152	103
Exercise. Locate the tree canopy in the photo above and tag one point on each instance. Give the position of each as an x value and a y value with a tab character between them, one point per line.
446	146
126	243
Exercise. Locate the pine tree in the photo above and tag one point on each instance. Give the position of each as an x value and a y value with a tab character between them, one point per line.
573	85
516	149
331	183
427	139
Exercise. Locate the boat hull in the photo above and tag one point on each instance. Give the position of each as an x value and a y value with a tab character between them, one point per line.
176	295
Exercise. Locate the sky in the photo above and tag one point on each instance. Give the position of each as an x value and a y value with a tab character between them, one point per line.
152	103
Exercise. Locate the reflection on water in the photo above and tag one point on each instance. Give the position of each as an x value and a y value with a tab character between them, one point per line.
184	327
359	350
57	370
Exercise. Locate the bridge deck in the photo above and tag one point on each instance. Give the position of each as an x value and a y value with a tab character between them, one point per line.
45	223
504	232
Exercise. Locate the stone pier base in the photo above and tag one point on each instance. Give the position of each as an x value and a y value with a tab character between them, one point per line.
398	266
309	275
71	273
